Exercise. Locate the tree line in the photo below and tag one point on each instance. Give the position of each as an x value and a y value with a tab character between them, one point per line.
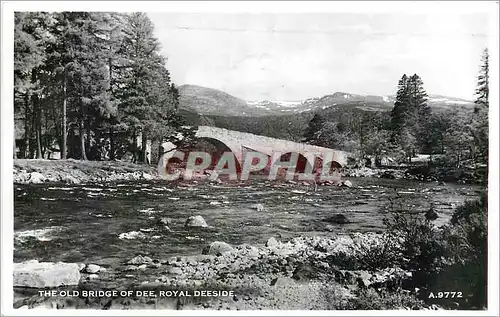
450	136
94	85
90	85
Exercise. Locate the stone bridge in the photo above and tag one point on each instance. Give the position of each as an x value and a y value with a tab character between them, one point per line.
240	142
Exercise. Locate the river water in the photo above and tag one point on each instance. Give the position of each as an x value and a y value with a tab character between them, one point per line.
91	223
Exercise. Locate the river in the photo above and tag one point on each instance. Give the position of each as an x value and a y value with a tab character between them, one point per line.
83	223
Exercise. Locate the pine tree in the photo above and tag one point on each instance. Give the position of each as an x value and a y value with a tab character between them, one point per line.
87	74
482	91
79	76
55	78
398	113
114	39
145	93
480	119
410	115
29	55
76	76
421	112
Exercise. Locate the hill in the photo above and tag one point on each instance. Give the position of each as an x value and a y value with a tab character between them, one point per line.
212	102
287	119
209	101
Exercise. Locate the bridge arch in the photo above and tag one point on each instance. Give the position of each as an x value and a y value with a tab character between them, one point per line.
224	137
334	166
303	163
221	148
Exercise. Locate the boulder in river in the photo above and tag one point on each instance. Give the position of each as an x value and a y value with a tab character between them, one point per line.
132	235
81	266
45	274
388	175
36	178
92	268
330	228
259	207
196	221
346	183
431	214
138	260
70	179
135	267
363	279
337	219
165	221
217	248
272	242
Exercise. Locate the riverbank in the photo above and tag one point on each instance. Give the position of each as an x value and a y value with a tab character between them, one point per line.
424	173
303	273
79	172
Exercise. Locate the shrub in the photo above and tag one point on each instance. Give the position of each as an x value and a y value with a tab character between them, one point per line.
376	253
451	258
370	299
418	241
466	249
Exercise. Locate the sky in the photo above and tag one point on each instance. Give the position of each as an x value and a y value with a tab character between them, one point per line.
291	56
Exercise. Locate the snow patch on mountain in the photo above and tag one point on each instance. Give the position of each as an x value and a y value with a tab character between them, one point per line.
287	103
439	100
459	102
275	103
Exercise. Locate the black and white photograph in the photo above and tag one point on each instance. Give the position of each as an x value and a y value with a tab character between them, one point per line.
280	157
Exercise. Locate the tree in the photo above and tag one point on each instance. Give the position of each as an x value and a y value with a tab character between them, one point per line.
29	40
457	137
87	75
376	144
410	115
482	91
407	143
314	127
76	78
438	124
114	25
148	102
332	135
401	105
83	76
422	111
480	118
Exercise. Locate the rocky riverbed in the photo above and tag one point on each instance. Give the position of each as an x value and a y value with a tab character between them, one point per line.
302	273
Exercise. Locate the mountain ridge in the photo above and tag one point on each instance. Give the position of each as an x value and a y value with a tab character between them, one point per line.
209	101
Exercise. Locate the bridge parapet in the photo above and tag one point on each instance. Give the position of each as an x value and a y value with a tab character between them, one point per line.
267	145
